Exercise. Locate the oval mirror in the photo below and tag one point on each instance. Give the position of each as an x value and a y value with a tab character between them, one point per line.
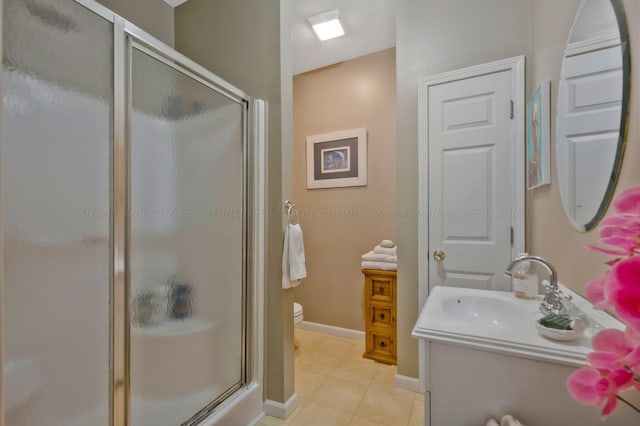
593	97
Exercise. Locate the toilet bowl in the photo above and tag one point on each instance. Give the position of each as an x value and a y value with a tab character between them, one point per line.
297	313
297	319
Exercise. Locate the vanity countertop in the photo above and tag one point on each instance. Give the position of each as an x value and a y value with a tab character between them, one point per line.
497	321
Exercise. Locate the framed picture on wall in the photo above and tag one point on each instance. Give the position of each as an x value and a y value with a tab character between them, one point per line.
538	128
337	159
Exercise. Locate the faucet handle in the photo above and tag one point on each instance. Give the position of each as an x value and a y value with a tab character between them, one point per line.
568	304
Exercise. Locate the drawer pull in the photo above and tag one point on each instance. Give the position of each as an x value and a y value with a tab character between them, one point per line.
381	290
383	344
381	316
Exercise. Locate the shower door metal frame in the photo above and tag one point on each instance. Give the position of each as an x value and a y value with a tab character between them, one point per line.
128	36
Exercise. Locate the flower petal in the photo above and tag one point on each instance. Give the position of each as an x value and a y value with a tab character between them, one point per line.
581	385
633	359
611	340
627	304
622	289
628	201
624	220
605	360
595	293
605	250
619	380
627	244
608	408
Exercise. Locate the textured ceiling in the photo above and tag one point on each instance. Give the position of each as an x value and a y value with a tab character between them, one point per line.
370	25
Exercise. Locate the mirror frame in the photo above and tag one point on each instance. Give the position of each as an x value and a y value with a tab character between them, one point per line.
623	30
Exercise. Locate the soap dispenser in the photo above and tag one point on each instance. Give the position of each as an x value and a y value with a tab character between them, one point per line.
524	281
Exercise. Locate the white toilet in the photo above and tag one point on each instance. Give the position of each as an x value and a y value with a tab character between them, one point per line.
297	313
297	319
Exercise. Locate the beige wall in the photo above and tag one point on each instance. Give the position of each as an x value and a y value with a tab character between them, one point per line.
239	40
340	224
434	36
153	16
550	234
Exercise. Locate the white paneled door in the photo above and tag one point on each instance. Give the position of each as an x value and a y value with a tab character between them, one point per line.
471	207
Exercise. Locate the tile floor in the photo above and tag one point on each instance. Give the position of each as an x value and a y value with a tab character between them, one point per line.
336	386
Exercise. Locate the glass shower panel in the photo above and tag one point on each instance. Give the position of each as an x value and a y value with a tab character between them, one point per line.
56	144
186	244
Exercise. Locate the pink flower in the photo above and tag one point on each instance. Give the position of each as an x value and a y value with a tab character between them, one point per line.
622	231
628	201
615	361
590	387
623	290
615	349
596	294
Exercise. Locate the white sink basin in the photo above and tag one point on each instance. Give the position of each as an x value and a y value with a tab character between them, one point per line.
499	322
481	310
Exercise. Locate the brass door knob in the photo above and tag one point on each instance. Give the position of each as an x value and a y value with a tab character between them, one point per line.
438	255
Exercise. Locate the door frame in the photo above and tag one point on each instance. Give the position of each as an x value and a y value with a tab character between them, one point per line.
516	66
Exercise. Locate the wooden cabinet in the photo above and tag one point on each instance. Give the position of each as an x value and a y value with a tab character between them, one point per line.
380	315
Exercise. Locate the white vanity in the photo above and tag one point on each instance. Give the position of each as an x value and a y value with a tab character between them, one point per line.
484	358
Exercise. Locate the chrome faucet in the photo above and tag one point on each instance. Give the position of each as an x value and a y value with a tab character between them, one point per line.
552	302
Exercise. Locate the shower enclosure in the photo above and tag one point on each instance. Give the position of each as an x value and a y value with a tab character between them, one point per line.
131	264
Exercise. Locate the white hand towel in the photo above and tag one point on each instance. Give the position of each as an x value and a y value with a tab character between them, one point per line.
381	266
293	260
387	244
286	281
297	265
375	257
385	250
492	422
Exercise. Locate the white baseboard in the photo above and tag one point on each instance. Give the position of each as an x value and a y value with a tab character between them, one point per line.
280	410
255	421
332	330
409	383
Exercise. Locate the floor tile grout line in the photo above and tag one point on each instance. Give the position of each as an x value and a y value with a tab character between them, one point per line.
384	386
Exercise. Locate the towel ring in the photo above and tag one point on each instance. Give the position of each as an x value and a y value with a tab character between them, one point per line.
290	207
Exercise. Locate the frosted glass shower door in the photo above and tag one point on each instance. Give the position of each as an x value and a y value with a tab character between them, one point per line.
187	251
56	148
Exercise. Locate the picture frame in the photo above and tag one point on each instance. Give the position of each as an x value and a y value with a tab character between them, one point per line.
538	132
337	159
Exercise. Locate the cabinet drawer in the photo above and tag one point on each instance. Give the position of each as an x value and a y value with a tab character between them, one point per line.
381	289
382	345
381	315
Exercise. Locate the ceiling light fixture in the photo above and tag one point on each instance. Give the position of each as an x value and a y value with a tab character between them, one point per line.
326	25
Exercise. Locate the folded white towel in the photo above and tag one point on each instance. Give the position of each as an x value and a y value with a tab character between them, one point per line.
372	256
492	422
381	266
385	250
508	420
387	244
293	261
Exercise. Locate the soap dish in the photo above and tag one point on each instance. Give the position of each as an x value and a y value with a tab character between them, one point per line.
577	325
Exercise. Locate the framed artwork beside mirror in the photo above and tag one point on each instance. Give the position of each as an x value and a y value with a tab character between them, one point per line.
538	128
337	159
